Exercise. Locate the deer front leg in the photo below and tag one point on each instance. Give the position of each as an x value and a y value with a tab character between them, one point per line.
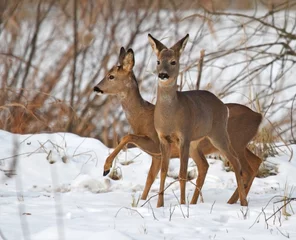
143	142
165	149
184	155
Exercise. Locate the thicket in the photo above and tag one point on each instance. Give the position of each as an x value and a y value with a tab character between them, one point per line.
53	52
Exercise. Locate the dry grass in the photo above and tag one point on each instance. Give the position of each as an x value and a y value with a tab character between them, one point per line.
115	173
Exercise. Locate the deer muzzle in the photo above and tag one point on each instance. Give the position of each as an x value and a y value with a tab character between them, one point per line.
163	76
98	90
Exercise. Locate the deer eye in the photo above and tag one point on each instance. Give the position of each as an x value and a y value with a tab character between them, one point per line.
173	62
158	62
111	77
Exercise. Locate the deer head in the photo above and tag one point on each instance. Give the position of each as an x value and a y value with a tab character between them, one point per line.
168	60
120	77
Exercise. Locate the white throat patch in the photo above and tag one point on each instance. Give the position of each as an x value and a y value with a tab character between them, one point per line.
163	79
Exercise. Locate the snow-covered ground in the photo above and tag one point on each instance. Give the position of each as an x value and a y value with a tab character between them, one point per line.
73	200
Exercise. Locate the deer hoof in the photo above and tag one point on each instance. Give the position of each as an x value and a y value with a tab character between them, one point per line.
244	203
105	173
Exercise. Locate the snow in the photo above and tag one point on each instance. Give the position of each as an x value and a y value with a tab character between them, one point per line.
70	199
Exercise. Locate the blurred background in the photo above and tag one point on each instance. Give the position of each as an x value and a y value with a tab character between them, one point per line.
53	52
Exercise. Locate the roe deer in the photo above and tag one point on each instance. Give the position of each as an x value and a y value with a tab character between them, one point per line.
243	124
185	118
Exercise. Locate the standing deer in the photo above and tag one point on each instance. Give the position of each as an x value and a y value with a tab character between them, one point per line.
120	81
185	118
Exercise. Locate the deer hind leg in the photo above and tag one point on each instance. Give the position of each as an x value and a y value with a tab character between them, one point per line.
184	155
254	161
247	177
221	141
143	142
202	167
153	171
165	148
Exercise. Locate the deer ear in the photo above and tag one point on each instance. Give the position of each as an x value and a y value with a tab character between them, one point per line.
180	45
156	45
121	56
129	60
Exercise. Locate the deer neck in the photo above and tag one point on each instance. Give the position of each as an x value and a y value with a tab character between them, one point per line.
165	108
167	95
132	102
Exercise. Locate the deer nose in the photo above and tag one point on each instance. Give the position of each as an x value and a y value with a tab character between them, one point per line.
163	75
98	90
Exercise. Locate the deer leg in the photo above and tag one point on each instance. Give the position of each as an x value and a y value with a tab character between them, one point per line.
254	162
202	167
221	141
165	156
153	171
248	172
238	174
143	142
184	155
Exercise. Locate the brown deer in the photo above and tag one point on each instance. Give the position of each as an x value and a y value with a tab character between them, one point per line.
120	81
185	118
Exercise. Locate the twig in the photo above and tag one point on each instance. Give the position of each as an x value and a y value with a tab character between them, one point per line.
287	236
136	156
199	68
33	48
212	207
283	200
171	212
153	212
200	193
244	213
158	193
291	116
127	208
264	214
188	212
78	146
179	204
75	46
15	156
82	166
288	200
257	219
8	173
